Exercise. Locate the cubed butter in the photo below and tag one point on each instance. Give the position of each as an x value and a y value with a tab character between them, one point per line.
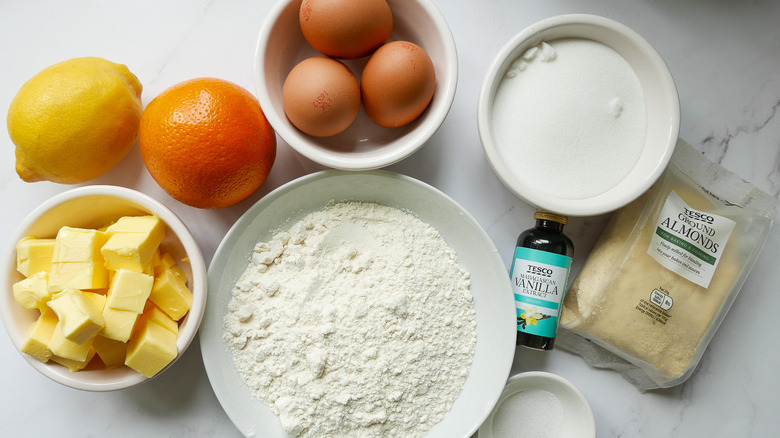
34	255
151	349
118	324
78	245
98	300
81	275
150	267
67	349
156	259
167	261
132	242
152	312
32	292
111	352
127	251
39	336
149	224
171	294
77	260
74	365
129	290
80	317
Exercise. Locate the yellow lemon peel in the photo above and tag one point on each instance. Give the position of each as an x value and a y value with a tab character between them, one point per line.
75	120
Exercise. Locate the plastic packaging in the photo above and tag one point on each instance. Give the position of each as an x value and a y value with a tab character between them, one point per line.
665	271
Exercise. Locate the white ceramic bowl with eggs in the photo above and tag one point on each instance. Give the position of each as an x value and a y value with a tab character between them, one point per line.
661	110
93	207
363	145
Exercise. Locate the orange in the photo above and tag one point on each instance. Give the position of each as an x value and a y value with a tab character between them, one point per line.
207	142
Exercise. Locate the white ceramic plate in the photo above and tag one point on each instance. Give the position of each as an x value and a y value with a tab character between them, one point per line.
493	299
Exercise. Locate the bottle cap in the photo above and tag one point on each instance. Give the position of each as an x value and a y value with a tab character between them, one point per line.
546	215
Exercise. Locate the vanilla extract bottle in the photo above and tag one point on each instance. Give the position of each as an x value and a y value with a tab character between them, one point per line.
539	274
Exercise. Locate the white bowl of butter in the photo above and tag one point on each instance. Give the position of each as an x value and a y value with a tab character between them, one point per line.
149	339
578	115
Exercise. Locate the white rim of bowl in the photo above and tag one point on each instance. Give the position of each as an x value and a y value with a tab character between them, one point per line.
582	207
191	247
339	161
544	375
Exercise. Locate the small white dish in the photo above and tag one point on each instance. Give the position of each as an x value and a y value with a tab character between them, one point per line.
578	421
661	103
94	207
493	300
363	145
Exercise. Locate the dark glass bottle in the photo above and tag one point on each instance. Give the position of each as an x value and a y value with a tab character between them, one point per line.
539	274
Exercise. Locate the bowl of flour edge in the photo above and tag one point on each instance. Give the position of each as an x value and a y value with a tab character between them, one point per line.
492	298
568	145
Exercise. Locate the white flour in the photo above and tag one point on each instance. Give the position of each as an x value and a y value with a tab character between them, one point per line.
570	118
356	322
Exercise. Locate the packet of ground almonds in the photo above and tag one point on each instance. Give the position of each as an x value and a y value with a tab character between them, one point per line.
665	271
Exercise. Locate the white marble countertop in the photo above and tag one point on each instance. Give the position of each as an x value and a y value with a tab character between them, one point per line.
723	56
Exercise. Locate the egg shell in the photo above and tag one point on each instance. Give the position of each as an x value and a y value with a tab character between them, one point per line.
346	29
321	96
397	84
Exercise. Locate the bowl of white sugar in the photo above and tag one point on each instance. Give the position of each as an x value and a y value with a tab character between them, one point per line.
540	404
578	114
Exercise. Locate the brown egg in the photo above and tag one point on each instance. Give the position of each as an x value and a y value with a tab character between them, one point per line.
346	28
397	84
321	96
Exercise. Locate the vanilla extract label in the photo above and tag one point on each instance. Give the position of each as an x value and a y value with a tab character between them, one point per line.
539	282
537	286
689	242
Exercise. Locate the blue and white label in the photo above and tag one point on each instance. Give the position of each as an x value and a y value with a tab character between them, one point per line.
539	281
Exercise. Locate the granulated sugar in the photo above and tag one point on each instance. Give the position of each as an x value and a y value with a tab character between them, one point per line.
570	118
532	413
356	322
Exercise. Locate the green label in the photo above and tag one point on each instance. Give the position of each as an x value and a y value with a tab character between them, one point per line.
687	246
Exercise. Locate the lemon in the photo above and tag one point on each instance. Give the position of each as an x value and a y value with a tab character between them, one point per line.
75	120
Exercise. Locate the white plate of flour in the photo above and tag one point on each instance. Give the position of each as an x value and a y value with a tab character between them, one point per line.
489	287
